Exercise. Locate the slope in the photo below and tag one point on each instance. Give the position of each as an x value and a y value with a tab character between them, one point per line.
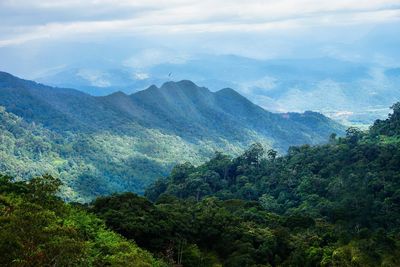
120	142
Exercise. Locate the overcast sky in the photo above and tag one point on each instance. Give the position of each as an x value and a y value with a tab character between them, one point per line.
36	35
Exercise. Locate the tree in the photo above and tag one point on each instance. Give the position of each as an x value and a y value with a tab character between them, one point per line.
253	154
39	229
271	153
353	134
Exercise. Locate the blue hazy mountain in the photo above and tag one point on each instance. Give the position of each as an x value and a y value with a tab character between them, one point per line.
124	141
351	92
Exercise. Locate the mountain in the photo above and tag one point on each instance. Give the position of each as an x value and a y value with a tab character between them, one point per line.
121	142
336	204
98	81
356	93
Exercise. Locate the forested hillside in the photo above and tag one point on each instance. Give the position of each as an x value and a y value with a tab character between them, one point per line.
101	145
355	165
329	205
39	229
88	165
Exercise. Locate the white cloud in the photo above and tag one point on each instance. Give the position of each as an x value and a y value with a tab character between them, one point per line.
266	83
149	57
30	20
141	76
96	78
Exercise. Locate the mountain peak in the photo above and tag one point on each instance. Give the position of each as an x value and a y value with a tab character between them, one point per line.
119	94
9	80
181	84
6	75
153	87
115	96
233	95
226	91
184	86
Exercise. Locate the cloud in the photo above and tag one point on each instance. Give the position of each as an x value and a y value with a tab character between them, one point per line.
150	57
266	83
41	34
141	76
24	20
96	78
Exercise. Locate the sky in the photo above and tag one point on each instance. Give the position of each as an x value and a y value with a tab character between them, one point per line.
40	35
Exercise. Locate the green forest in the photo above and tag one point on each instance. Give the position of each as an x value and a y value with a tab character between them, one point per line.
37	228
336	204
117	143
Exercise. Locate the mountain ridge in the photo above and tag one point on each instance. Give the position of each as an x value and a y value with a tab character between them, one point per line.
154	106
126	141
278	85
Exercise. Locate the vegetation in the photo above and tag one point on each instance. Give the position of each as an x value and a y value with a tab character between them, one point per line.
337	204
212	232
88	164
330	205
39	229
116	143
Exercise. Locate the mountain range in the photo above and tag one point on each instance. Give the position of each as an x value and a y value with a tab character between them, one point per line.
355	93
120	142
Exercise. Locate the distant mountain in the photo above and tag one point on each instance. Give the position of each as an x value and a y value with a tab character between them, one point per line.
122	142
98	82
353	92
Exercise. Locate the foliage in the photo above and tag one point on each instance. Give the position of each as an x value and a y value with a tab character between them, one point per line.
329	205
213	232
116	143
345	193
39	229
